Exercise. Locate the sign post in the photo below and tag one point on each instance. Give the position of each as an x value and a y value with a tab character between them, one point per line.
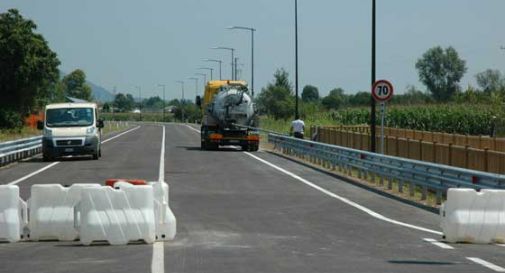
382	91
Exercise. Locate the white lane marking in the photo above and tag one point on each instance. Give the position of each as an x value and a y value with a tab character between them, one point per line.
161	176
118	135
486	264
34	173
57	162
345	200
437	243
196	130
502	245
158	261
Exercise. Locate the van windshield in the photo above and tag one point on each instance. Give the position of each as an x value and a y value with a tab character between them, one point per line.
69	117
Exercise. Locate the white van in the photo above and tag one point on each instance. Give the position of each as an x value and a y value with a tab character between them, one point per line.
71	129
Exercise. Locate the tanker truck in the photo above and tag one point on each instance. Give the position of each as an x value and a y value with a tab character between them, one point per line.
227	108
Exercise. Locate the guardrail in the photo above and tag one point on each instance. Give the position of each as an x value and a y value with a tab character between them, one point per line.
15	150
418	175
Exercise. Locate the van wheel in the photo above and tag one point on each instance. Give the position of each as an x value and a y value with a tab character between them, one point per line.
46	158
100	152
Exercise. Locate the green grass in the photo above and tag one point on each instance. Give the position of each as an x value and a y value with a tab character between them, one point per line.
13	134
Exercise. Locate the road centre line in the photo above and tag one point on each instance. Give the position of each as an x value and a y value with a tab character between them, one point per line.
158	261
57	162
437	243
343	199
486	264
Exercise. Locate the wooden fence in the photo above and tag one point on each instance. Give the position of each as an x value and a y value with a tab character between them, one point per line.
452	153
477	142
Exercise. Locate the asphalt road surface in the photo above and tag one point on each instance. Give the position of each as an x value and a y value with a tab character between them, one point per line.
243	212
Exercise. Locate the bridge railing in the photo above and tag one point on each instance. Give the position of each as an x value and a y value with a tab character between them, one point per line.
415	175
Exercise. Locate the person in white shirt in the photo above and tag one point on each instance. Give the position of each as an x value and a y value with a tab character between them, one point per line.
297	127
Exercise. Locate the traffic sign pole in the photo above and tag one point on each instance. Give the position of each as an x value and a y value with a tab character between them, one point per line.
382	91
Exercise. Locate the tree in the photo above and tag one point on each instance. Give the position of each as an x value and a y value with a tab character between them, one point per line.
277	98
310	93
75	85
360	99
153	103
334	100
490	81
29	69
441	70
123	103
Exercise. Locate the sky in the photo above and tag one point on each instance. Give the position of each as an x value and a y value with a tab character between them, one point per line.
127	43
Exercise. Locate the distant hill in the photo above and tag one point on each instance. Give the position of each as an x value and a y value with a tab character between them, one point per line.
100	94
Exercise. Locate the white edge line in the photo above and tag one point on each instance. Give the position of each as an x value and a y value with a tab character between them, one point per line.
158	261
486	264
33	173
118	135
57	162
437	243
345	200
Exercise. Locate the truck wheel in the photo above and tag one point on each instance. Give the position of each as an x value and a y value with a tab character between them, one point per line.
245	147
95	154
202	145
254	148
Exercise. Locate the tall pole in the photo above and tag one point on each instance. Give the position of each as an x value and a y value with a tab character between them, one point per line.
196	85
140	103
162	85
296	58
236	67
232	57
252	53
204	77
373	147
216	61
210	69
182	101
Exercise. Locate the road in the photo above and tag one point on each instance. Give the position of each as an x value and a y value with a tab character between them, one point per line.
244	212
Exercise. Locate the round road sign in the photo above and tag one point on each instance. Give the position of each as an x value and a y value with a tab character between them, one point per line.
382	91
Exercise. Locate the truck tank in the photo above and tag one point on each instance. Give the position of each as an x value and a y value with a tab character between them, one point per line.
232	105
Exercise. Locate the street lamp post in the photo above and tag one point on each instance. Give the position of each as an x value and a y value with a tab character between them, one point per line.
208	68
296	59
216	61
252	30
372	100
204	77
182	101
232	57
162	85
140	102
196	85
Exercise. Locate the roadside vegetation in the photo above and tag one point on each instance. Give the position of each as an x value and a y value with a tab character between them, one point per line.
443	107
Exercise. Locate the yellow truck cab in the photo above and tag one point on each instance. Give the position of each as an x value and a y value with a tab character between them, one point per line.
71	129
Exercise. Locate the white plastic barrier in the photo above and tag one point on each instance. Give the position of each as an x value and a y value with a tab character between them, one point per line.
166	224
13	214
474	217
116	215
52	211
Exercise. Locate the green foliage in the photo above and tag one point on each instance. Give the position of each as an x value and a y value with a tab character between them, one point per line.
277	98
29	69
153	103
491	81
310	94
441	70
449	118
123	103
191	111
74	85
335	99
360	99
411	97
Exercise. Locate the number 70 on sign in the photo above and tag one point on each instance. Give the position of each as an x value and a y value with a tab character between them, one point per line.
382	91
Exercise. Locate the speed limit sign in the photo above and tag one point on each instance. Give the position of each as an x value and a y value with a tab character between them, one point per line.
382	91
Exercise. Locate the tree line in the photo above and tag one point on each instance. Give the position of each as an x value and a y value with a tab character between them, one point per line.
30	77
440	70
